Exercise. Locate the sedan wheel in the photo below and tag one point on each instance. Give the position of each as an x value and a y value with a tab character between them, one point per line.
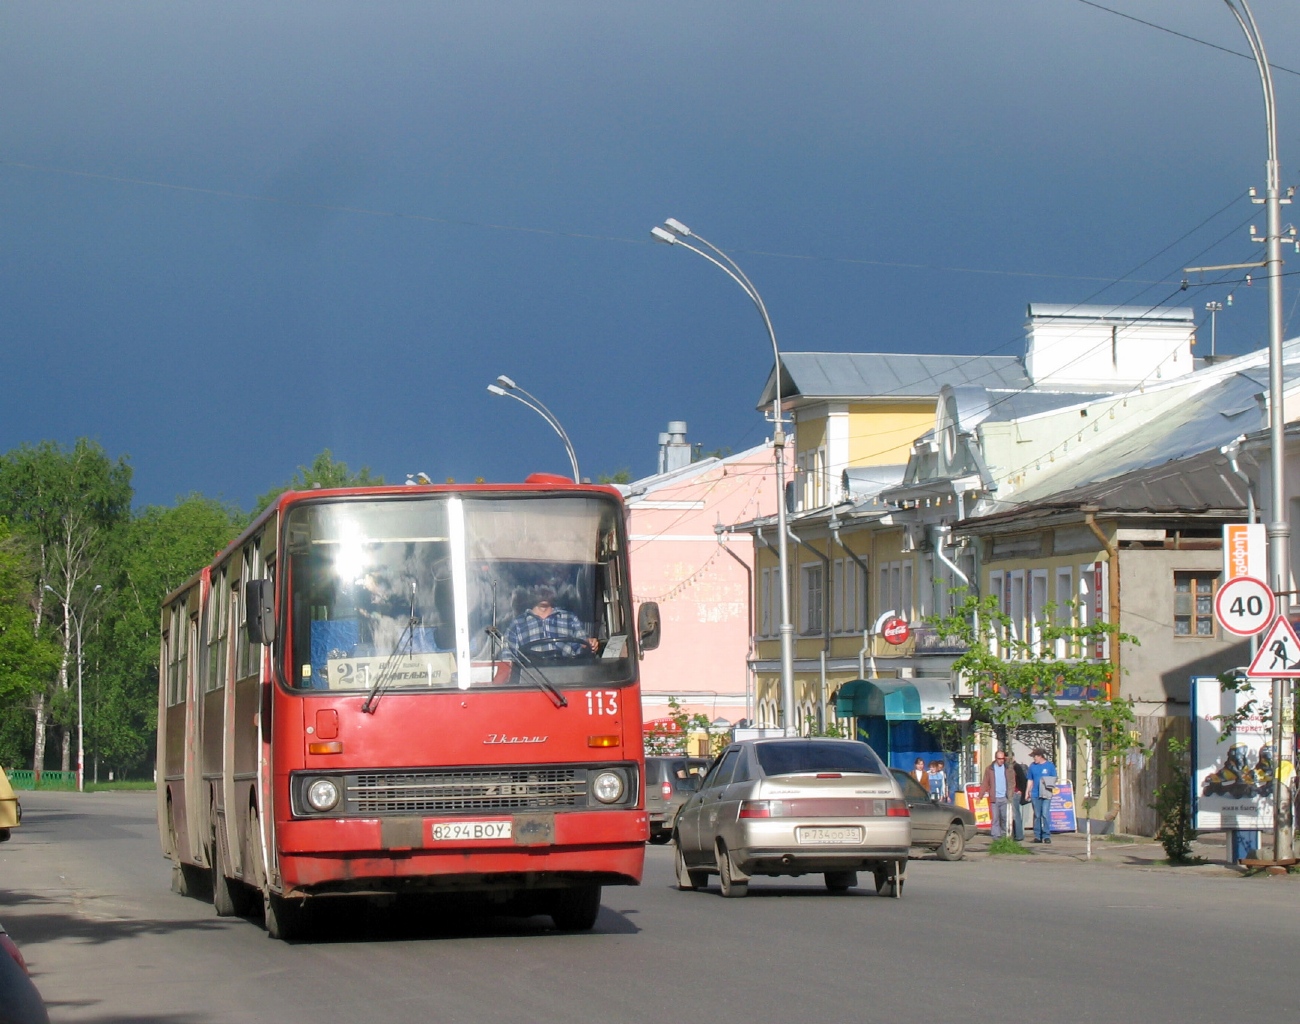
688	879
953	846
732	888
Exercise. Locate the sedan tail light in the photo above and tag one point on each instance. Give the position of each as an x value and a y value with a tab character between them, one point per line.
897	809
667	790
760	809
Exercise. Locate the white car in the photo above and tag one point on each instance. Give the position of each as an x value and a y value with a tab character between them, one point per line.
792	807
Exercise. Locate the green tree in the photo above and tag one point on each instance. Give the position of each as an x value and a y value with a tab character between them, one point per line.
1015	677
27	662
156	552
67	501
619	476
323	472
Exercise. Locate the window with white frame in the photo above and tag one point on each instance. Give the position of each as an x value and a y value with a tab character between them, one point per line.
1016	603
765	603
905	608
997	589
813	604
1063	614
848	597
1037	606
1092	605
896	588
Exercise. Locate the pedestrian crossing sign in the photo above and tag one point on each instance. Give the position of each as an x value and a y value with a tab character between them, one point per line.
1279	653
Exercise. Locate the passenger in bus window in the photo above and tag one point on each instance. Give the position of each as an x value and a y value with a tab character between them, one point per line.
548	631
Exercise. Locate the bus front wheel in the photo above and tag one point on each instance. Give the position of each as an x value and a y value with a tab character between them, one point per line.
576	910
286	919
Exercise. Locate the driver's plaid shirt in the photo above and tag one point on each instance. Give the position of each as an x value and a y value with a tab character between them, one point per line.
567	632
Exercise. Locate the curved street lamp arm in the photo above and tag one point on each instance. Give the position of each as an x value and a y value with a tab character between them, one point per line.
551	421
739	277
1256	42
559	429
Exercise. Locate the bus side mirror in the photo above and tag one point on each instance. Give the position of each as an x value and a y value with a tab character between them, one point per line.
259	602
648	625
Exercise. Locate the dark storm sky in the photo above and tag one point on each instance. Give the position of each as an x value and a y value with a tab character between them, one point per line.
233	234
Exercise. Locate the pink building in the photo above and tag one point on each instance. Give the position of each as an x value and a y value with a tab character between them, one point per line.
703	582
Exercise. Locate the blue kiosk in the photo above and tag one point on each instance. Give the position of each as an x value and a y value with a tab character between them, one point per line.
890	716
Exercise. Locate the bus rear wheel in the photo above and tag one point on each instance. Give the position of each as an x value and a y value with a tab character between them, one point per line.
576	909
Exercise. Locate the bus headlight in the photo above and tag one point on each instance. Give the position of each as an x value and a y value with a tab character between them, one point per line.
608	787
323	795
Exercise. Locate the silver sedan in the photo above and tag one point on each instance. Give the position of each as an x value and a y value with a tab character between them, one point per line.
791	807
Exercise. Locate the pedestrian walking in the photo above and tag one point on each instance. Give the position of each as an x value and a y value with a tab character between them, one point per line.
999	784
1042	784
1018	799
938	781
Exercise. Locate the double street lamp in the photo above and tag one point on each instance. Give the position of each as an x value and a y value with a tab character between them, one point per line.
674	232
81	724
507	388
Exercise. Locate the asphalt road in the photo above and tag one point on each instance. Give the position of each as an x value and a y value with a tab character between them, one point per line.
84	891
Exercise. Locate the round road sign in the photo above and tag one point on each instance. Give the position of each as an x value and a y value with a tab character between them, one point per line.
1245	606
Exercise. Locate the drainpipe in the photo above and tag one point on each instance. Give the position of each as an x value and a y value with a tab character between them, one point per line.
940	533
721	531
1112	555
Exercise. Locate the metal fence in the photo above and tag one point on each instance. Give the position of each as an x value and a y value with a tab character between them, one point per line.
24	779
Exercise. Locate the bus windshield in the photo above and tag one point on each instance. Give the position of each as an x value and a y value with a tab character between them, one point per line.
444	592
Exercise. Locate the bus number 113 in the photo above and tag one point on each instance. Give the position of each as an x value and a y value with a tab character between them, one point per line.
602	702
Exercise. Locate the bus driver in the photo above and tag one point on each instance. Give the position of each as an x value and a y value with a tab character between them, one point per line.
543	629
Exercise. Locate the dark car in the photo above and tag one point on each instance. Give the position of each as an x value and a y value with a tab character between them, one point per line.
20	1003
937	826
668	782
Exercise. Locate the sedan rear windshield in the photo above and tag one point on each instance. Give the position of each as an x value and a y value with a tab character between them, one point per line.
786	758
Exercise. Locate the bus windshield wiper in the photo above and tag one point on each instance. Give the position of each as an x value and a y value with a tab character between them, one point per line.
557	698
389	669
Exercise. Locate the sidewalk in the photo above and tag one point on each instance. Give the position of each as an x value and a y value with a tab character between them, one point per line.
1123	851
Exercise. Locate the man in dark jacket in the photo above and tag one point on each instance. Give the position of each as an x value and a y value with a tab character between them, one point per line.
1016	805
999	784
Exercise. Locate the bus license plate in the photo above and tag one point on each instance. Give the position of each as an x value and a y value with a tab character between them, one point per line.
851	834
452	830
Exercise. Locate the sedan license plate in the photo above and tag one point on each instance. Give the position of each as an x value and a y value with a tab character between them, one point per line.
820	834
453	830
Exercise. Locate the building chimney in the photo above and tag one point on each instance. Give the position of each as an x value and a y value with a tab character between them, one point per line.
674	451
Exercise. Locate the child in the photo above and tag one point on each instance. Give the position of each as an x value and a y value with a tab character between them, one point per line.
938	781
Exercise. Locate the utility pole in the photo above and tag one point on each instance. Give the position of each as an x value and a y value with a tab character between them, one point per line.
1278	529
1214	309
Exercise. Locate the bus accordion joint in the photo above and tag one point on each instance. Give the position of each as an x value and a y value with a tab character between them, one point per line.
327	747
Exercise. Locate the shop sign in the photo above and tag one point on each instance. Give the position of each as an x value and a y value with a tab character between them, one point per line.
895	631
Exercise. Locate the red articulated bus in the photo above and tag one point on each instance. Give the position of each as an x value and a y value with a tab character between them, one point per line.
414	689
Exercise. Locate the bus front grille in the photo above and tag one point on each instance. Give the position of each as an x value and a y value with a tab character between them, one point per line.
454	791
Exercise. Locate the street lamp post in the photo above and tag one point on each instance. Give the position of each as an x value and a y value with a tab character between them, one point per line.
1278	529
507	388
674	232
81	722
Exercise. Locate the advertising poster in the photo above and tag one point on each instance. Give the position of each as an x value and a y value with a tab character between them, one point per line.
1060	815
979	806
1232	784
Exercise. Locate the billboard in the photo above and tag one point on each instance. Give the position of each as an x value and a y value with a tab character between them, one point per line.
1232	773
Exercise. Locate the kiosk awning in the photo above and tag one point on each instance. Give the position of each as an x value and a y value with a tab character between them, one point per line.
897	700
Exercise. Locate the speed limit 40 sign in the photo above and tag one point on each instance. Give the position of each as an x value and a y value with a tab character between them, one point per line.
1245	606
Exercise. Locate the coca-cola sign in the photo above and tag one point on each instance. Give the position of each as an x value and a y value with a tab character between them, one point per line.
895	631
